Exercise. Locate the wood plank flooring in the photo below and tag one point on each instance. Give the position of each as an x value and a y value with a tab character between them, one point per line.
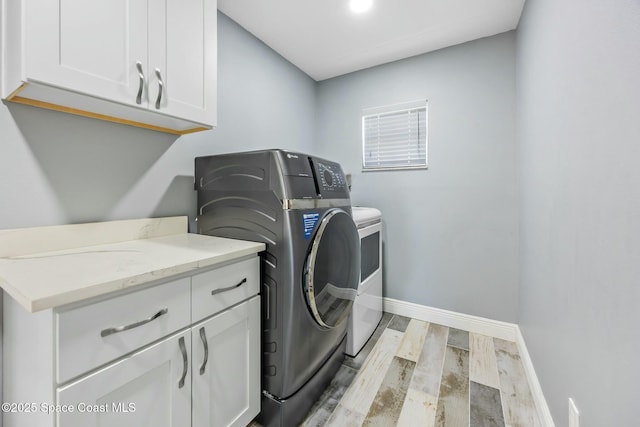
415	373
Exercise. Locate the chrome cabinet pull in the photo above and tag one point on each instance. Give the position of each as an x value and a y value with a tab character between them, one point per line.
160	86
110	331
185	362
219	291
141	83
203	337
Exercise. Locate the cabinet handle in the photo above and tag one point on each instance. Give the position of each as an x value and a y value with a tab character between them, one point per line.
141	83
109	331
185	362
203	337
160	86
219	291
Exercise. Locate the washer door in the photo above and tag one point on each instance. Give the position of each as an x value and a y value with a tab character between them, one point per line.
332	269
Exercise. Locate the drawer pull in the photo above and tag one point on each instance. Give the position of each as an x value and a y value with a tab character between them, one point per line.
109	331
160	87
141	83
219	291
203	337
185	362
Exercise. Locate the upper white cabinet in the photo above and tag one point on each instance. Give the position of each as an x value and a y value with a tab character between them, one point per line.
88	47
184	57
144	63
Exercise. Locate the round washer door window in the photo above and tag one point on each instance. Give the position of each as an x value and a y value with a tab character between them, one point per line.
332	270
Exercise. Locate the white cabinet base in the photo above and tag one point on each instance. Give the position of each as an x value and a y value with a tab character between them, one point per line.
157	382
227	391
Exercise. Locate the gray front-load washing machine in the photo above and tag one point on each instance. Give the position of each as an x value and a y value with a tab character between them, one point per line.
299	206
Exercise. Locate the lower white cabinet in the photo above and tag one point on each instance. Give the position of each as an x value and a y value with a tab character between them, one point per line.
208	376
140	358
149	388
226	367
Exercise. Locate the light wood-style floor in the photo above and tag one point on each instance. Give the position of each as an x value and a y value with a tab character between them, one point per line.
414	373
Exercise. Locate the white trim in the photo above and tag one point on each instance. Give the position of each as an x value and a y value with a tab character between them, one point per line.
452	319
479	325
534	385
395	108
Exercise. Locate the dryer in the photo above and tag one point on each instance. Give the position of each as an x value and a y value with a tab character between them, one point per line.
299	206
367	307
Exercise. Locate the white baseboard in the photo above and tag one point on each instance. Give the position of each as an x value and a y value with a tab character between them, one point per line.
479	325
536	390
452	319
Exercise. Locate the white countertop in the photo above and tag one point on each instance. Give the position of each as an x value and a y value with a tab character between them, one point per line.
49	279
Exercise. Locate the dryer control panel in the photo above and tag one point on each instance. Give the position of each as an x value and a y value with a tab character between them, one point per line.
330	180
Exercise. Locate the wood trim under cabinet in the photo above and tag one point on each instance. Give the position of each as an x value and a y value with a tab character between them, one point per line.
16	92
48	106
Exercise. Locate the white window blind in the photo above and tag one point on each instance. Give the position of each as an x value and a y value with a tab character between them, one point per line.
395	137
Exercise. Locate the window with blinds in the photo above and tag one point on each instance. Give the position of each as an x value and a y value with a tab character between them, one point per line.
395	136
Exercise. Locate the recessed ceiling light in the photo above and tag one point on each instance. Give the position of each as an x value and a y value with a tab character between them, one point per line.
359	6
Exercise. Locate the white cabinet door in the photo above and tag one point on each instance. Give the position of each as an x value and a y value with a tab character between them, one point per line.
147	63
182	58
226	389
151	388
89	47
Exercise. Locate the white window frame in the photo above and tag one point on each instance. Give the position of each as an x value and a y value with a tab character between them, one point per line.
381	112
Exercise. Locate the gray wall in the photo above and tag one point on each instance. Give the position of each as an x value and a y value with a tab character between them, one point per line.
451	238
57	168
578	74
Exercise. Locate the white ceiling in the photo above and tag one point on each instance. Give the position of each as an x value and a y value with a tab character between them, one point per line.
325	39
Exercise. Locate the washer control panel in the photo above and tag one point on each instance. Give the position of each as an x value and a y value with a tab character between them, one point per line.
330	179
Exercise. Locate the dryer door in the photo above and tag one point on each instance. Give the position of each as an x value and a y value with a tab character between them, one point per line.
332	269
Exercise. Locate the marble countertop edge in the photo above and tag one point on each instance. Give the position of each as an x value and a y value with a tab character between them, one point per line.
192	252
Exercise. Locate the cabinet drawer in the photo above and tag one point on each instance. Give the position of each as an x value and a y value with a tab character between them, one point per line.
215	290
92	335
